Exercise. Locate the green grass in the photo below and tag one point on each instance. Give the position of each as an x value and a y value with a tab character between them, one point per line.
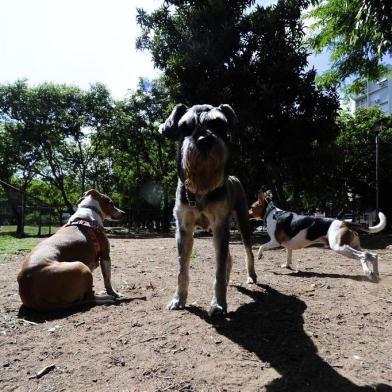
10	244
29	230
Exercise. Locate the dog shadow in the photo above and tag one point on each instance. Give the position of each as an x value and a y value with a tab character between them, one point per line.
272	327
374	242
308	274
41	317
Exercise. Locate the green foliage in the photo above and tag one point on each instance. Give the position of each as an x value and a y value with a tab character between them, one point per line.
358	33
54	132
138	154
61	140
356	149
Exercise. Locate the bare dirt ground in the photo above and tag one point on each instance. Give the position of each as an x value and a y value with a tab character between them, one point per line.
324	328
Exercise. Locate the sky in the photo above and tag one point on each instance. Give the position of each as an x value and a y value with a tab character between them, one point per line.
79	42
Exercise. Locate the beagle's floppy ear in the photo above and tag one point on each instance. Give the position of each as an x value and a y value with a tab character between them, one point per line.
229	112
170	127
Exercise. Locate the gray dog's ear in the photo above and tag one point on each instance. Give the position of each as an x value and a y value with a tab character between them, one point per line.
229	113
170	127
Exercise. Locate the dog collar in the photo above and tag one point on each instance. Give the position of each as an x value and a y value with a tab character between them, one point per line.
195	201
91	224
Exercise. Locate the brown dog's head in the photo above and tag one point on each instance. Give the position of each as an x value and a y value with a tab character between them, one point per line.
102	203
202	132
259	207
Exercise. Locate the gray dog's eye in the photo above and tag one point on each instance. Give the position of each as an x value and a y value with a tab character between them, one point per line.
217	125
185	128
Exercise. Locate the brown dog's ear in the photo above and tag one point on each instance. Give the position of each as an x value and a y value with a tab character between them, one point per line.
92	192
170	127
229	112
260	197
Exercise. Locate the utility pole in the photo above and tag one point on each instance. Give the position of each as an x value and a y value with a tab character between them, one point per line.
378	128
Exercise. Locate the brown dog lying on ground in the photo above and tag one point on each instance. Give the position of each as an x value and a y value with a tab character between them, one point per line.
58	271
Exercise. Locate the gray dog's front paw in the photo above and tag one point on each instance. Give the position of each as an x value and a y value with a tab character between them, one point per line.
114	293
251	279
217	310
176	303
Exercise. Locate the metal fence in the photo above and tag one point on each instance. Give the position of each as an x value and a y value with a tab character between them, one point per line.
23	215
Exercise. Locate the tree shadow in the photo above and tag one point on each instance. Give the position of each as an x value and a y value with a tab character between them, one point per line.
41	317
272	328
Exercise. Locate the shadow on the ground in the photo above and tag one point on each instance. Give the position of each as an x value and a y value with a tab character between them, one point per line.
375	241
308	274
272	327
141	235
378	241
41	317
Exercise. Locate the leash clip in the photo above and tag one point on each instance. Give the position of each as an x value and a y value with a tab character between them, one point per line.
192	203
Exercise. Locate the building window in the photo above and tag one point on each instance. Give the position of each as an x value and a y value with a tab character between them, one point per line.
361	103
382	83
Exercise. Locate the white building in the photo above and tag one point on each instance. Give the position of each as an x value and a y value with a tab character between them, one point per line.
378	93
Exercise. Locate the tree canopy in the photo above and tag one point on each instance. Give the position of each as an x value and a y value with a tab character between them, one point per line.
359	35
253	58
53	129
357	158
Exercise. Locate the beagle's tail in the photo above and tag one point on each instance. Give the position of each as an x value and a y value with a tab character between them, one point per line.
372	229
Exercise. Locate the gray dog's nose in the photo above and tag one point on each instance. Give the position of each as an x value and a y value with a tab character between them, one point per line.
204	139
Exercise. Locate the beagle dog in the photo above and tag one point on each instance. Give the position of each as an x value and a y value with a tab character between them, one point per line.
58	271
295	231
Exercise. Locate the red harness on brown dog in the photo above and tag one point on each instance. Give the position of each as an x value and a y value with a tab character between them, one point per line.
94	228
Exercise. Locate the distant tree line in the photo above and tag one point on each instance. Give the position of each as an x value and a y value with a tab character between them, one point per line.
57	141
